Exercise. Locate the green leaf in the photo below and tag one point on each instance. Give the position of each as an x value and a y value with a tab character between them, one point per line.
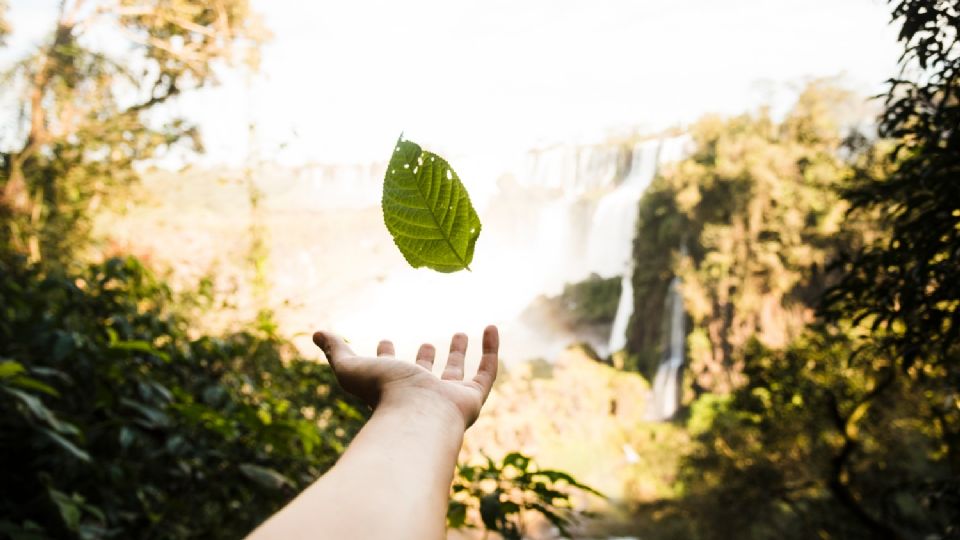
265	476
9	368
517	460
127	437
29	383
152	417
456	515
139	346
69	508
491	512
40	411
63	443
427	210
63	346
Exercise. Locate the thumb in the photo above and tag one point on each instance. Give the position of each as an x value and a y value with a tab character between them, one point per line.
333	346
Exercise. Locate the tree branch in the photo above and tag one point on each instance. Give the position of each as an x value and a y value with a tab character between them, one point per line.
837	483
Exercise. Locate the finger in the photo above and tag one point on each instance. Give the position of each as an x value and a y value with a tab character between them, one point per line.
458	349
426	355
333	346
385	348
489	361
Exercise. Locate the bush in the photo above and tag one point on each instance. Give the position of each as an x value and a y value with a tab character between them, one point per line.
503	493
116	423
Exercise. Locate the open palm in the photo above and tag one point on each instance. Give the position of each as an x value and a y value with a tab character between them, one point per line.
371	379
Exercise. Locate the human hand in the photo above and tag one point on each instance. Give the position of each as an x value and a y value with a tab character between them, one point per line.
386	379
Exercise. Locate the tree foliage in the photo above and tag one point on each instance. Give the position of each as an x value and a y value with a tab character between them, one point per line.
906	284
503	494
816	446
852	430
86	116
117	423
749	222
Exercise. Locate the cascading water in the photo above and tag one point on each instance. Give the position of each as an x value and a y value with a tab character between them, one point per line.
614	220
618	331
615	242
665	398
556	214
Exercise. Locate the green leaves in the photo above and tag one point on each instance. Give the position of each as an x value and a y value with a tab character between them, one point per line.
109	407
427	210
265	476
500	492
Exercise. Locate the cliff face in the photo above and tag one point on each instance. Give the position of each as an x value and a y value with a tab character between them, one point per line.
755	208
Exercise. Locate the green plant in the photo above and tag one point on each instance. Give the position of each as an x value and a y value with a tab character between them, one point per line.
906	282
500	493
428	211
115	422
815	445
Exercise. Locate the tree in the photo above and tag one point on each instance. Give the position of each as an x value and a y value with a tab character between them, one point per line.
906	284
749	222
116	421
87	111
853	429
903	288
816	446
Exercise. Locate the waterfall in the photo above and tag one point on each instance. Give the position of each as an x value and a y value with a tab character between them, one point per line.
618	331
615	222
665	398
610	242
557	213
556	242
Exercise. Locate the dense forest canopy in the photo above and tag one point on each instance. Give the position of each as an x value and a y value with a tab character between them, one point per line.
819	272
755	218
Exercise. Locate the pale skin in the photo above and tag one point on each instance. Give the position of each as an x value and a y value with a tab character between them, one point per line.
394	479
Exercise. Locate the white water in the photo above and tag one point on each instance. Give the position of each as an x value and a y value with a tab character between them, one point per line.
550	216
665	398
616	242
618	331
610	243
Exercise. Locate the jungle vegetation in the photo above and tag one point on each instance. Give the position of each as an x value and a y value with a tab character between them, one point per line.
820	265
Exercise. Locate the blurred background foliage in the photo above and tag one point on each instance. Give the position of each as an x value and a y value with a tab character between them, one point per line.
749	222
86	118
503	492
820	267
117	423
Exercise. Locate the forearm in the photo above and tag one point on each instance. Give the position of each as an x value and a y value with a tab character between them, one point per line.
392	482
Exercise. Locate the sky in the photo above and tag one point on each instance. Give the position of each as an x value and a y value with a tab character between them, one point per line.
341	80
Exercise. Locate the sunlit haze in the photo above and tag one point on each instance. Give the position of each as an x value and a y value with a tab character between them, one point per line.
340	80
481	82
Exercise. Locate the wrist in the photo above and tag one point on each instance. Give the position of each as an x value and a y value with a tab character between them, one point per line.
422	405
